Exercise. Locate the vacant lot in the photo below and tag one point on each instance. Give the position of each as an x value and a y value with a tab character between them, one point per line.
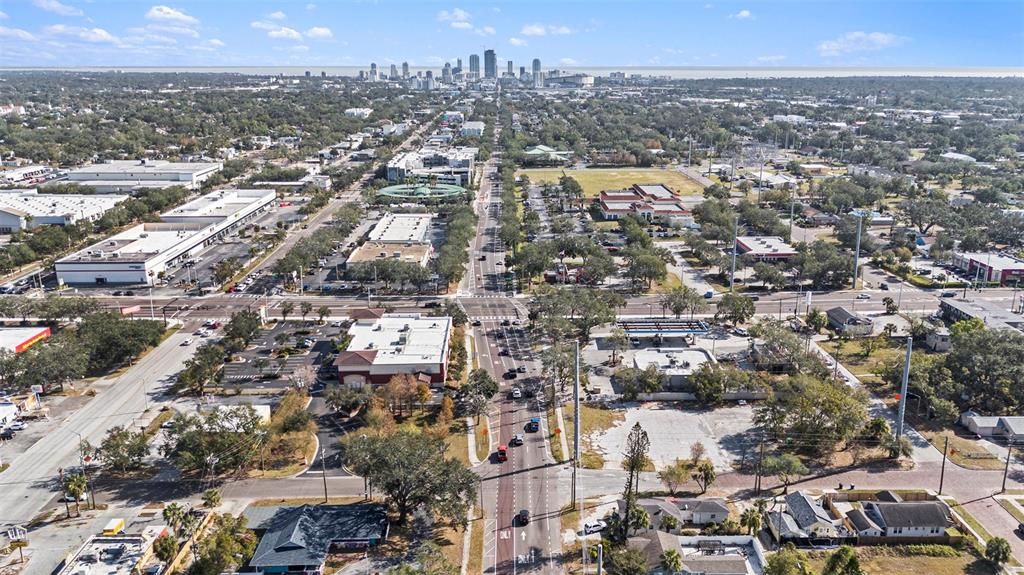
673	429
596	180
879	561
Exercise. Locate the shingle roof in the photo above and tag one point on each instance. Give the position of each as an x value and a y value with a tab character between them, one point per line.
702	505
913	514
805	510
303	535
716	565
860	521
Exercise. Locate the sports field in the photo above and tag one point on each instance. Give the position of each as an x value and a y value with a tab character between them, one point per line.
595	180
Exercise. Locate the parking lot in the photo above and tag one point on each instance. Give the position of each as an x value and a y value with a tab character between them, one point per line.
311	347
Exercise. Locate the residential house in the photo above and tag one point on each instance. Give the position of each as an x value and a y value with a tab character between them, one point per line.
702	511
938	340
849	322
299	539
908	518
804	521
816	217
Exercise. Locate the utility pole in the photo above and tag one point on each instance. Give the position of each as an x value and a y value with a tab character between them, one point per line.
792	204
760	459
1006	470
576	423
732	271
903	389
600	558
856	251
942	473
323	470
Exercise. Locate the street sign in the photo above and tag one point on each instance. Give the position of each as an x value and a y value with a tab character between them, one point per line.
37	389
17	533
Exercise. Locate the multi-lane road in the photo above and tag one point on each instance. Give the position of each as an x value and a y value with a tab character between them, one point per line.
528	479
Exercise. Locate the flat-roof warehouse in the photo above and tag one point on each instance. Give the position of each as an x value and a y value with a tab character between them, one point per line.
143	253
396	344
404	237
131	175
28	209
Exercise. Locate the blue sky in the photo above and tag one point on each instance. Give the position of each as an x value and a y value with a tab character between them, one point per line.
932	33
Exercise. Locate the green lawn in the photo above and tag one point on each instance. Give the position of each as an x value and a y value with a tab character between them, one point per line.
593	421
595	180
885	561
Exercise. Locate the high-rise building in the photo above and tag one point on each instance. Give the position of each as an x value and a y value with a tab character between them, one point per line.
430	74
474	66
458	63
522	71
446	73
394	72
509	68
536	66
307	73
323	74
405	69
490	64
373	71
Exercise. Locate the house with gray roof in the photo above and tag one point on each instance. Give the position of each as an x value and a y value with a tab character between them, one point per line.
299	539
804	521
909	518
849	322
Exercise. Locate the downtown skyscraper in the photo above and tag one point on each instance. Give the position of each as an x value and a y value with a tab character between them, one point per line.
490	64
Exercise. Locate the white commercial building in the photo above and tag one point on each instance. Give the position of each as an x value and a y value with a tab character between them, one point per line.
27	209
765	248
473	129
144	253
444	165
675	365
402	229
361	113
131	175
396	344
24	174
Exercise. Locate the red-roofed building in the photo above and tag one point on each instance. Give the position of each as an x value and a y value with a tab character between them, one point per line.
651	202
386	345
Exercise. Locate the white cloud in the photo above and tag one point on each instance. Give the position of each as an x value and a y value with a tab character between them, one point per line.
485	31
285	33
261	25
57	8
517	41
858	42
279	15
454	15
567	62
542	30
461	25
773	59
168	14
93	35
171	29
216	43
319	32
3	15
310	6
743	15
17	34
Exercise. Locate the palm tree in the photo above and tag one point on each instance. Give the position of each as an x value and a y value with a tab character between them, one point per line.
260	364
323	311
671	561
173	514
751	519
76	486
668	523
211	498
305	308
286	309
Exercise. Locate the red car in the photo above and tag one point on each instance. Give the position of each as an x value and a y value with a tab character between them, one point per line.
502	453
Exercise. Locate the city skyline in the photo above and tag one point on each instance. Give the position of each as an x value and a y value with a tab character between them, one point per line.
47	33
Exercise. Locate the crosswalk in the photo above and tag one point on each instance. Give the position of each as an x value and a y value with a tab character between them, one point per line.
493	317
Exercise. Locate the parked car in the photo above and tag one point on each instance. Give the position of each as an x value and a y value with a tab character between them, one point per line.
594	527
476	323
709	294
516	393
7	434
17	426
884	286
741	332
521	369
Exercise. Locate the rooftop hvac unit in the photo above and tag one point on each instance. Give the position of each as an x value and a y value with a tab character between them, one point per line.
369	345
396	254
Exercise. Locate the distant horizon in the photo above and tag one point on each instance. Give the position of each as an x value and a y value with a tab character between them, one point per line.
674	72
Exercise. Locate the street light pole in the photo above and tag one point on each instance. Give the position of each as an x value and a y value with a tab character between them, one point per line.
856	251
732	271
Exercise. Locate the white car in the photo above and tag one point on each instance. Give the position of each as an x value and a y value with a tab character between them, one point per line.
17	426
863	296
517	393
594	527
187	342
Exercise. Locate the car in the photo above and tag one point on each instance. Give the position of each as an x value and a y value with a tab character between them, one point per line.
709	294
476	323
863	296
335	324
884	286
7	434
17	426
516	393
949	294
523	517
516	322
482	258
634	341
503	352
741	332
129	292
71	498
754	298
505	322
511	374
502	454
594	527
432	304
533	424
741	402
517	439
521	369
187	342
1019	530
117	293
208	323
